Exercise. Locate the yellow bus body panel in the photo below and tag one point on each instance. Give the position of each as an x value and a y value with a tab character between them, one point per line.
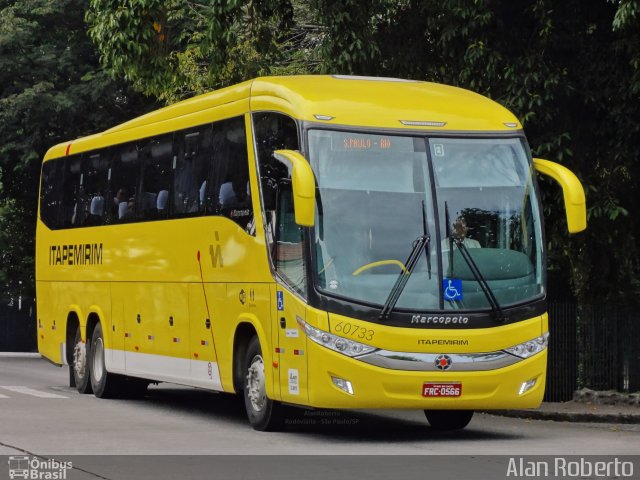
176	292
376	387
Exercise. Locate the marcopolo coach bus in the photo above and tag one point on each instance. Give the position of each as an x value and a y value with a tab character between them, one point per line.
323	241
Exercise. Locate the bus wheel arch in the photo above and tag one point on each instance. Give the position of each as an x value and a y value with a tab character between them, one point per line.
245	331
92	320
73	324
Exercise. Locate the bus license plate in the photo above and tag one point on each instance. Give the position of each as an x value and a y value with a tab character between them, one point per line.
442	389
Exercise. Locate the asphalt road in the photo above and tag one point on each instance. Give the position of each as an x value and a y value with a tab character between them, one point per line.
177	432
39	414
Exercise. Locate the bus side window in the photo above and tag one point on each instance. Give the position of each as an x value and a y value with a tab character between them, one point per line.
157	179
231	192
96	180
125	174
72	211
50	198
272	131
191	171
289	247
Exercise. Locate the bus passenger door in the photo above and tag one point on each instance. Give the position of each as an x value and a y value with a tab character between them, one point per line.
288	304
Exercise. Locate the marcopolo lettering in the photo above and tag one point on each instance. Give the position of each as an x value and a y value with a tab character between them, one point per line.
76	254
443	320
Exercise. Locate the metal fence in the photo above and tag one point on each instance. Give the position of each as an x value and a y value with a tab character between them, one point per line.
17	327
593	346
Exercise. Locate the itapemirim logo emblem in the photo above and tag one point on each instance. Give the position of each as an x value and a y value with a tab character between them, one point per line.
35	468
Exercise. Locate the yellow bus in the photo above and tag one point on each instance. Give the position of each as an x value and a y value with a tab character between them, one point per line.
323	241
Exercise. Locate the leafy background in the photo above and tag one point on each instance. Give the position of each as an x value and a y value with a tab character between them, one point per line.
569	70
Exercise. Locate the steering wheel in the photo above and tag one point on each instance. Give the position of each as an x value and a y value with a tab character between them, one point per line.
379	263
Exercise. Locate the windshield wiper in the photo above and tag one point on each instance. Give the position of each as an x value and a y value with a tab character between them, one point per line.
473	266
425	231
419	244
486	289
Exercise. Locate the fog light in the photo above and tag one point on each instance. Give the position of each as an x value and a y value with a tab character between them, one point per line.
342	384
526	386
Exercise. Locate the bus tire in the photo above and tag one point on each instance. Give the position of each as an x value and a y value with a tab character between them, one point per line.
104	384
80	364
443	420
263	413
72	376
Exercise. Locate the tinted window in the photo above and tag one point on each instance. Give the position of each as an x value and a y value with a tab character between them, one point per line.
71	213
273	131
231	193
192	170
203	170
95	189
289	251
124	180
157	179
50	193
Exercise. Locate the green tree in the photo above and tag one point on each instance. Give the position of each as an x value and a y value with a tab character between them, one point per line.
569	70
51	89
172	49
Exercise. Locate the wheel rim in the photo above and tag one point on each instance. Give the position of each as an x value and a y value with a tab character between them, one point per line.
98	360
79	359
255	384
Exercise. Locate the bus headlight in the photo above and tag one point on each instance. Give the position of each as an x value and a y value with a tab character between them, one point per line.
334	342
530	348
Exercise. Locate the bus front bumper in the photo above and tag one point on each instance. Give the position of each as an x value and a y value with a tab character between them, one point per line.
371	386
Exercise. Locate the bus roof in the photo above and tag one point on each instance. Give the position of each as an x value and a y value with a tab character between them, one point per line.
371	102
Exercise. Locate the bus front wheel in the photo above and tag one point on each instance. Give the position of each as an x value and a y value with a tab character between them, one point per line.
79	367
104	384
443	420
263	414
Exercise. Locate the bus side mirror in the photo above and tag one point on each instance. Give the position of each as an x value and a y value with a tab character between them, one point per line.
303	186
574	200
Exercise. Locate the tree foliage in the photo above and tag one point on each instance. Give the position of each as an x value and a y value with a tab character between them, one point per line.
569	70
51	89
171	49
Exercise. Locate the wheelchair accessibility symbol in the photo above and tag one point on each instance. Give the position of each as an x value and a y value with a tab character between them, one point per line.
452	289
280	300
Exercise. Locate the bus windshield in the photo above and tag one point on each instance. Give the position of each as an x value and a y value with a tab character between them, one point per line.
378	193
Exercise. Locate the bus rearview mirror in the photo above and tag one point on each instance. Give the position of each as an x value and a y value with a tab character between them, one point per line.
303	185
574	200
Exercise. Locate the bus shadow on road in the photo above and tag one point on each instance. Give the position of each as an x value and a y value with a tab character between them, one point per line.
376	426
364	426
195	402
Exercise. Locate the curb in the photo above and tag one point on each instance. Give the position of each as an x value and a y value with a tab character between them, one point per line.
19	355
625	418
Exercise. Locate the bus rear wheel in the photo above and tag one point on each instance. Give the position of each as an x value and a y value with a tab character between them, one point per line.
104	384
443	420
263	414
79	367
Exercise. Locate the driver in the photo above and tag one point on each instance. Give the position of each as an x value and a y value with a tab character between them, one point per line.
459	230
